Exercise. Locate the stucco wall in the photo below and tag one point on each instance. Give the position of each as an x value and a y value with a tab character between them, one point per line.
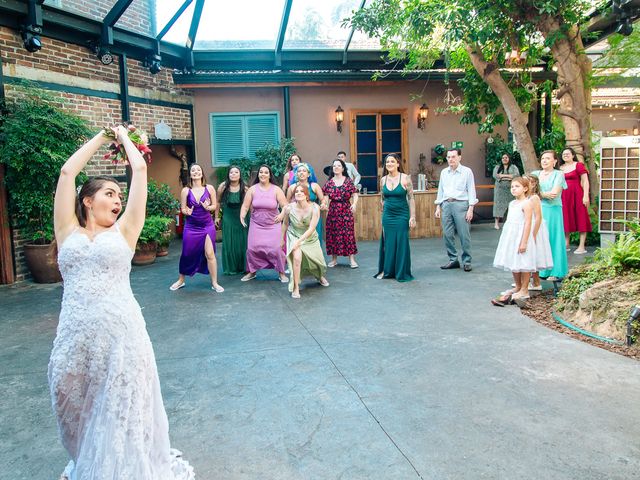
313	122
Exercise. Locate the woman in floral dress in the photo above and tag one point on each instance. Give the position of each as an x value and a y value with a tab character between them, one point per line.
342	196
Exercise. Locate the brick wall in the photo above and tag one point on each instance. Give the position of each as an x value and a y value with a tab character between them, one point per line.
138	17
65	64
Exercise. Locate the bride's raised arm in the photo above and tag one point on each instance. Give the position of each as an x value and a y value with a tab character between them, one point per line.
133	217
64	206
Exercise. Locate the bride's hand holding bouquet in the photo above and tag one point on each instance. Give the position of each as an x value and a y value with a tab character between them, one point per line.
117	135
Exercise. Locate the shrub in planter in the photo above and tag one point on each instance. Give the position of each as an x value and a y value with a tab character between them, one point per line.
36	137
152	233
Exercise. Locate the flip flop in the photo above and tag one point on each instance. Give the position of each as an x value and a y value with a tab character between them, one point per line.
218	289
295	295
247	278
332	264
175	287
354	265
324	283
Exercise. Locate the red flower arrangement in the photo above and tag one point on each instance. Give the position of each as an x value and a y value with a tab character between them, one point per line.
116	150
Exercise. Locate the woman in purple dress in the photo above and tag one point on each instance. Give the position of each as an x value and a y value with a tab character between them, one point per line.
263	244
197	201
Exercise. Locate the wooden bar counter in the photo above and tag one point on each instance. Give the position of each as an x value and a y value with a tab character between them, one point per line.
369	216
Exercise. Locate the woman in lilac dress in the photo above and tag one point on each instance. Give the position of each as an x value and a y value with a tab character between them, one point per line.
197	201
263	245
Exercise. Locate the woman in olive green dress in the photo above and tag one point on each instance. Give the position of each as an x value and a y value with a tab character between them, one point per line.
304	254
234	235
398	216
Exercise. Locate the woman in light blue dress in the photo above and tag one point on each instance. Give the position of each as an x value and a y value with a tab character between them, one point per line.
552	183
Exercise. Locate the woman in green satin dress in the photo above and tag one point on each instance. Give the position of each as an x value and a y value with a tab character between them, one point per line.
304	254
234	235
398	216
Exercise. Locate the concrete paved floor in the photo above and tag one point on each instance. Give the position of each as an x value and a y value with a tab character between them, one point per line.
366	379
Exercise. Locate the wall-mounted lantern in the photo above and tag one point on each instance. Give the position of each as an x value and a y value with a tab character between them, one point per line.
339	118
423	113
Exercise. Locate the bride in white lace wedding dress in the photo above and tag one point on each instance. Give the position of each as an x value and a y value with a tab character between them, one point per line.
102	372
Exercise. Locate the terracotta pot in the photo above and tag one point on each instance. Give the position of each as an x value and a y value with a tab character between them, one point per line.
42	261
145	253
162	251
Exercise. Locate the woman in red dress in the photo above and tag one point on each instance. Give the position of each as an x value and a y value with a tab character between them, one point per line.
342	196
575	199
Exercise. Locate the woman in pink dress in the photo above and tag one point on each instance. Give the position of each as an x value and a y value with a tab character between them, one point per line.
575	199
263	245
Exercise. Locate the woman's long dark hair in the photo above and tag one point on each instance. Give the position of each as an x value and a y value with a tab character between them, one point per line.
203	180
271	178
227	186
502	168
574	156
88	190
397	157
289	167
345	174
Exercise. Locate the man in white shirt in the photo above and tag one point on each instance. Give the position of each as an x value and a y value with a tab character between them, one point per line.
351	169
455	201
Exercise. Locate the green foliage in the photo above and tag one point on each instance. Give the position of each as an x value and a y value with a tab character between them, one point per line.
154	229
623	254
622	52
494	152
417	32
633	227
553	140
160	200
37	137
222	172
582	278
275	156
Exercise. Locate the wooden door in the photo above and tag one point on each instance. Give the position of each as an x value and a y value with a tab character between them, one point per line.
374	135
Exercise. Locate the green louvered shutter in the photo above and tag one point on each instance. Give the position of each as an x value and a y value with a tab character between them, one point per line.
240	135
261	129
228	138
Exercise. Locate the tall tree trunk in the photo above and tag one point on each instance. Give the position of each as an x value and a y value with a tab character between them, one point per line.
490	73
573	93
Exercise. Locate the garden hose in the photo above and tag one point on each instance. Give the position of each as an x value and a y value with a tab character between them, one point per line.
560	320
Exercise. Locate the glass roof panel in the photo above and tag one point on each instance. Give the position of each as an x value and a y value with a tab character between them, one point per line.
318	25
239	24
139	18
95	11
179	32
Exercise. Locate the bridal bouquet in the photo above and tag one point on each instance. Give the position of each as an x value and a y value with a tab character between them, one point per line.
116	150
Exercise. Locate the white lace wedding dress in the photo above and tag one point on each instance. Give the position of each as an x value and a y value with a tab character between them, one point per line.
102	372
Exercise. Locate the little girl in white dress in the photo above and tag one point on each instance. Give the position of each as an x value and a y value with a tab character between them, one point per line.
544	259
516	250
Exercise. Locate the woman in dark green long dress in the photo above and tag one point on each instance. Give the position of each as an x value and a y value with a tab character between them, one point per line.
398	216
234	235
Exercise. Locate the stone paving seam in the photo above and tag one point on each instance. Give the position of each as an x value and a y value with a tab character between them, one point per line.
360	399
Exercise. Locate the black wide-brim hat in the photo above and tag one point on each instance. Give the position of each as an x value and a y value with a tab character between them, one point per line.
327	170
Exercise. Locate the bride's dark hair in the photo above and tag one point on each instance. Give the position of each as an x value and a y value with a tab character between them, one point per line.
89	189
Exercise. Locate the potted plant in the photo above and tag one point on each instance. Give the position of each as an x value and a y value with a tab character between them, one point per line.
162	203
36	137
276	156
152	233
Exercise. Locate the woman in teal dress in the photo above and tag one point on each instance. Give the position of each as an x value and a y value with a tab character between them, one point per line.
304	254
303	176
398	216
234	235
552	183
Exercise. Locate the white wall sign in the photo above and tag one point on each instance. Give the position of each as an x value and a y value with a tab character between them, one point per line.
163	131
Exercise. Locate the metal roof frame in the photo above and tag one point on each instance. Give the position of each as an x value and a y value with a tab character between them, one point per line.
74	28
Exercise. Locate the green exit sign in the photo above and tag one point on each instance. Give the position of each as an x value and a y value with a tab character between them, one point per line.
457	144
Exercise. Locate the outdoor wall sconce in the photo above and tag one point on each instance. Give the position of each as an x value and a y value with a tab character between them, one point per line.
423	113
339	118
